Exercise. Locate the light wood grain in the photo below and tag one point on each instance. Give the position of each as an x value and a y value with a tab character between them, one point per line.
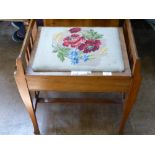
131	96
130	44
25	94
79	83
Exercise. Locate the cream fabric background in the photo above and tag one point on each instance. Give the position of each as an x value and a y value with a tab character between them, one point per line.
110	61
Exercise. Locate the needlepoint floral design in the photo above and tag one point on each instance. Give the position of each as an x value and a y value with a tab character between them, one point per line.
78	45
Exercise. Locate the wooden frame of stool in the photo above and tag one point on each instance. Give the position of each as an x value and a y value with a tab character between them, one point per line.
126	83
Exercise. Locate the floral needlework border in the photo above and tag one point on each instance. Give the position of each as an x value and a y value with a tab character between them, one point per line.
78	45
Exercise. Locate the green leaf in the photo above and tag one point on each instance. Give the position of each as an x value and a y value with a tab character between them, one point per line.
61	51
61	56
91	34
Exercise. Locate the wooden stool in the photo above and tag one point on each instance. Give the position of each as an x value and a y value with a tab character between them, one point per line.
82	60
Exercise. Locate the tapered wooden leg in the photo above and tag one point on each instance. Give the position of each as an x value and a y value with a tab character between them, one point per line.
130	99
25	95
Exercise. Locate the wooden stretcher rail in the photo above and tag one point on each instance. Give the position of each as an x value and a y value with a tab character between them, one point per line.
79	100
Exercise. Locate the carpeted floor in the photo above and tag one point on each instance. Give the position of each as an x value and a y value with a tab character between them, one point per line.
76	118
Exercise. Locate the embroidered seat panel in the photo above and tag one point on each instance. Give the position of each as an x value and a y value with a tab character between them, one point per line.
78	49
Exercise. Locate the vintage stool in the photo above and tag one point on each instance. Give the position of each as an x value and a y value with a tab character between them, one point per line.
87	57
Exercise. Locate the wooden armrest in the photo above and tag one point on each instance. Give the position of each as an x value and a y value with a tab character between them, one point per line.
131	45
29	37
25	53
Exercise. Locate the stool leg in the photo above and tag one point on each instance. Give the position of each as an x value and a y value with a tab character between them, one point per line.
126	111
130	99
25	95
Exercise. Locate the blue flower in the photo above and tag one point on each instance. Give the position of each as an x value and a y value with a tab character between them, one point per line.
85	57
74	56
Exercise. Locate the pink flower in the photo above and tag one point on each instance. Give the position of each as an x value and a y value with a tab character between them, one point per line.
73	40
75	30
89	46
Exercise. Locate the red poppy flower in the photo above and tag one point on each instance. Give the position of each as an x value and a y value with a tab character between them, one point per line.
75	30
90	45
73	40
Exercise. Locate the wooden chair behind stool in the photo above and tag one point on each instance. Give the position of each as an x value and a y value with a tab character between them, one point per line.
127	83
